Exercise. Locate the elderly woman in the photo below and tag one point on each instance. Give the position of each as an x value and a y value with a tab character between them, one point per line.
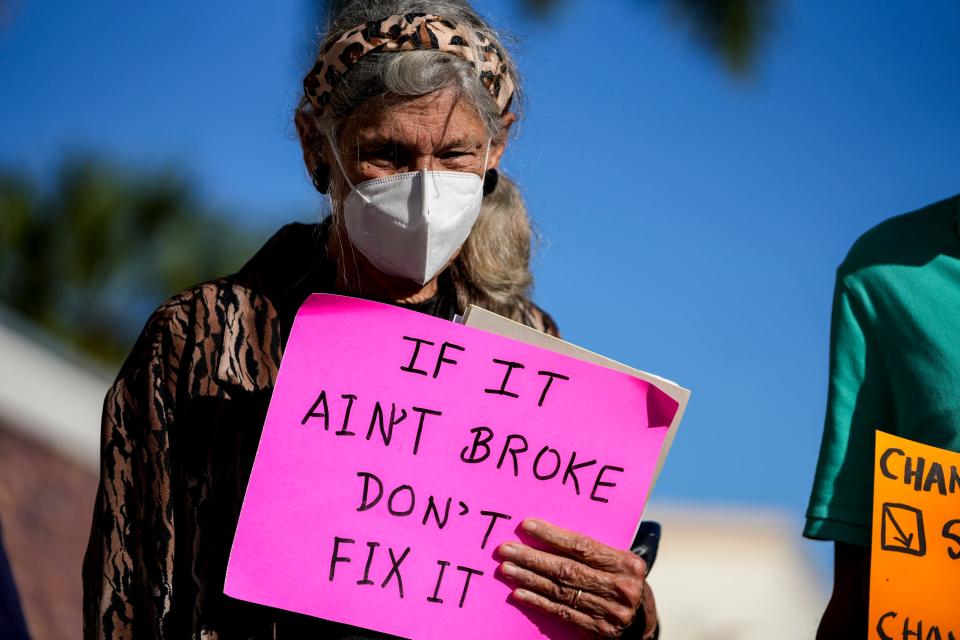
404	120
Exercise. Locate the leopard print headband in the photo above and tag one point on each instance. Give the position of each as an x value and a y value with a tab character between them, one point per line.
408	32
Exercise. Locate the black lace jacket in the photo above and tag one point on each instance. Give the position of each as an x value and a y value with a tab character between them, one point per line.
181	426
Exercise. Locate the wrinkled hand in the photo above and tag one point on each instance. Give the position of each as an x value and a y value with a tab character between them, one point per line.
595	587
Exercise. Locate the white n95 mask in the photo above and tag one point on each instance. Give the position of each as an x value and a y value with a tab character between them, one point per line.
410	224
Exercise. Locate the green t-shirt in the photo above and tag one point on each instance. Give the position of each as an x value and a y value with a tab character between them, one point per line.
894	360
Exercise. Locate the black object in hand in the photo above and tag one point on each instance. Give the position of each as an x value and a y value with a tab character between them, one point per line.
646	542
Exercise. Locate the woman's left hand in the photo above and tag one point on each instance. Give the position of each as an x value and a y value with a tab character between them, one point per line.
595	587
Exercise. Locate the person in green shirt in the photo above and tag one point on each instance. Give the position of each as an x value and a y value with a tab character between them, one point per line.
895	367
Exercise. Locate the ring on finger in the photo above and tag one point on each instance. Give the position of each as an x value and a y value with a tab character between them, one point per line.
576	599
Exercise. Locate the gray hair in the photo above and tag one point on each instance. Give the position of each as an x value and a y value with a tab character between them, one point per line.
493	268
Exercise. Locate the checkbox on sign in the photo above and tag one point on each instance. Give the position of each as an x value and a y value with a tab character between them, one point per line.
901	530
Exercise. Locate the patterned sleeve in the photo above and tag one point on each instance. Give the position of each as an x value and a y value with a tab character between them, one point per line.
128	567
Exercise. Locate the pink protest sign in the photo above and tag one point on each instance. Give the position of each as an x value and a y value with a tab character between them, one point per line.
400	449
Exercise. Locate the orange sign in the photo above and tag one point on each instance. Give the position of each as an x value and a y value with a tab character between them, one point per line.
915	557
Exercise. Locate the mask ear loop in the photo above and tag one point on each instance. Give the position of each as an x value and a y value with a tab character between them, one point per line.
486	158
353	252
336	156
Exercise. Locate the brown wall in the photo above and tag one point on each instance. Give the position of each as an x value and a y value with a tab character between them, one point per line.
46	502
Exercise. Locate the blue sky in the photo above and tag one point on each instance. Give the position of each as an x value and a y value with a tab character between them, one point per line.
692	221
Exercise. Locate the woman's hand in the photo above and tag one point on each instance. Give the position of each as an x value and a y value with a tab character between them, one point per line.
595	587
